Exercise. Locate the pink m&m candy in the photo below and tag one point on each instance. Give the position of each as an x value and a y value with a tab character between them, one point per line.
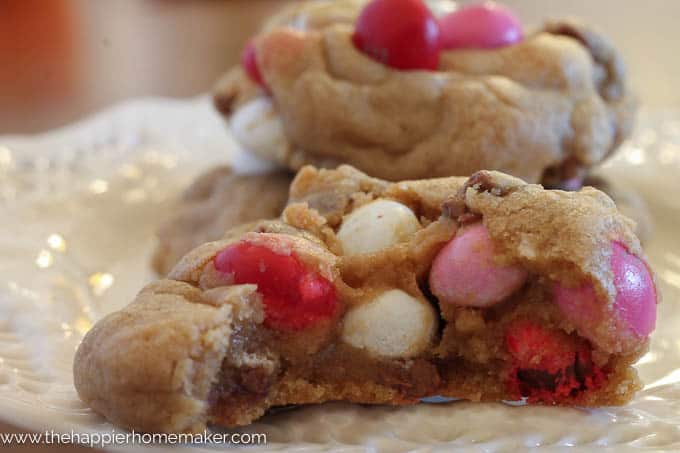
465	273
579	304
635	291
481	26
635	303
402	34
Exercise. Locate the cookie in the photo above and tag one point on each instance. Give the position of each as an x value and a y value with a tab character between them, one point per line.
483	288
545	107
629	202
216	202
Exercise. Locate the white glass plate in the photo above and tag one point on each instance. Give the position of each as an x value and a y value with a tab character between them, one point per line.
78	209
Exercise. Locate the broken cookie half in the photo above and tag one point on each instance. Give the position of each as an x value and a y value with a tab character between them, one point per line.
483	288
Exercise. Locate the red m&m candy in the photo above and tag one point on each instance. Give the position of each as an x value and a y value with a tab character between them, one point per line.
548	365
402	34
250	66
294	296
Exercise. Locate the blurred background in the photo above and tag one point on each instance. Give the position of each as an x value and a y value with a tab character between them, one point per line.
61	60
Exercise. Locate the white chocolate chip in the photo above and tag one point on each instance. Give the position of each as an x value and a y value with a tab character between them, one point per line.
257	127
376	226
393	324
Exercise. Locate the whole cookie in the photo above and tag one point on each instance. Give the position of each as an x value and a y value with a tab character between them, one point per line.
544	107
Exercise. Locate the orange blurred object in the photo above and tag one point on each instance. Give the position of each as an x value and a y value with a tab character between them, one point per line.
39	60
61	60
37	49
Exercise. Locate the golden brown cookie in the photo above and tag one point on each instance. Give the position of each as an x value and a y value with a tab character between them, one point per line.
629	202
484	288
546	109
216	202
